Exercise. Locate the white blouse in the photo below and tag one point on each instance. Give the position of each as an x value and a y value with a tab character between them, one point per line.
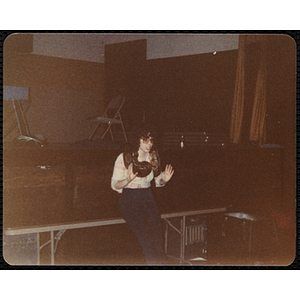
120	173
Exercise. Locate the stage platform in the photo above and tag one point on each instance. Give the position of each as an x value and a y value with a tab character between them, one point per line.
70	184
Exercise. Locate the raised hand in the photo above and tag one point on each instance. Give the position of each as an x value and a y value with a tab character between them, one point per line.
167	173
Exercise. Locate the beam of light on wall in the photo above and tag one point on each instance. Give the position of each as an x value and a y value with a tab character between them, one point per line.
91	47
181	45
86	47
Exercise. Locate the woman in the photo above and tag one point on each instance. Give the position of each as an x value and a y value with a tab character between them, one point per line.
133	172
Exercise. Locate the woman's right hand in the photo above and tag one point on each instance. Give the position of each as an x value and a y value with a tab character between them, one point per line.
130	174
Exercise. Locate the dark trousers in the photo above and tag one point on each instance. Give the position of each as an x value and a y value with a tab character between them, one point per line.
139	210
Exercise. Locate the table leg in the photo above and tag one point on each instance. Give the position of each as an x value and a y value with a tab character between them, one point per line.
52	247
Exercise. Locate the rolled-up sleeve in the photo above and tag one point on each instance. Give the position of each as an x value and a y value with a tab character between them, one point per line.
119	173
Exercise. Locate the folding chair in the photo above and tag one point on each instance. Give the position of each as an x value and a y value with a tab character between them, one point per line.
115	105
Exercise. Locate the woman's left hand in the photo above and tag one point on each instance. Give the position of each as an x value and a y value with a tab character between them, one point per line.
167	173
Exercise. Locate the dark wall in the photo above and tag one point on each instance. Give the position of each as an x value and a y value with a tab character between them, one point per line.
24	69
281	106
125	74
195	93
191	93
281	92
63	93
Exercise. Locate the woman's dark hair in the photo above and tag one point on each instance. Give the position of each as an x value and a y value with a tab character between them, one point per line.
140	131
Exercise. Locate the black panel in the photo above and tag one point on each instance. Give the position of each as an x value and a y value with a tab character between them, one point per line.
192	93
125	74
